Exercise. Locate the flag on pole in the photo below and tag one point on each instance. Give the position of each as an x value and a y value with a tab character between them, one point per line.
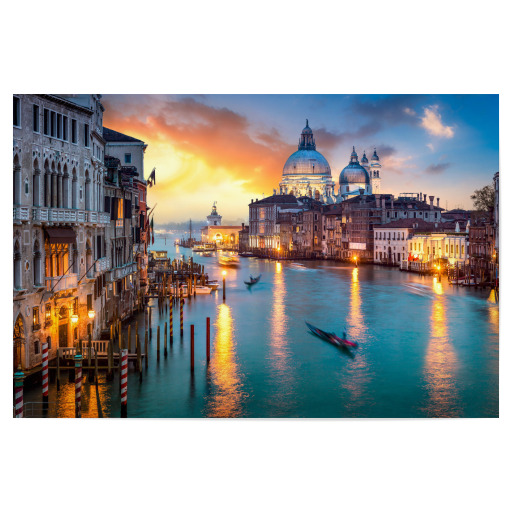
152	178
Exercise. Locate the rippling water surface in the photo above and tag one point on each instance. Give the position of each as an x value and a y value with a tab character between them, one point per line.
426	349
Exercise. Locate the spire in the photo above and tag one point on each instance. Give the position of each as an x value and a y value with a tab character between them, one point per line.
306	138
375	156
353	156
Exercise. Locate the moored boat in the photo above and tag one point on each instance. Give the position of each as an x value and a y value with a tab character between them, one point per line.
229	261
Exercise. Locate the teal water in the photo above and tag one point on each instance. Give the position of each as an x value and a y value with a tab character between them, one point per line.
426	349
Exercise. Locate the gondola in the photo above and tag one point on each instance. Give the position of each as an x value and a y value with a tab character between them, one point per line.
331	337
253	280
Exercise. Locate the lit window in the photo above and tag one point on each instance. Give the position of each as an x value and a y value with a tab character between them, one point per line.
127	158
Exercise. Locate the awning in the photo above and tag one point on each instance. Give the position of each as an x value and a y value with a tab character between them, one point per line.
61	235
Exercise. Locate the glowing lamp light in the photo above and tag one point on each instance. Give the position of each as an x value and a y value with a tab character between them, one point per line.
74	318
224	272
91	314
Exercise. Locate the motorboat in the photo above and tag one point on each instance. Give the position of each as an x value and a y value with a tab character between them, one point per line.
229	261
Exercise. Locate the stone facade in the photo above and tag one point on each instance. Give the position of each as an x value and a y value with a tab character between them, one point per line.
62	265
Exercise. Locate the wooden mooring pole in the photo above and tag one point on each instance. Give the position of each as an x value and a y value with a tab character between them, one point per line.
192	348
207	340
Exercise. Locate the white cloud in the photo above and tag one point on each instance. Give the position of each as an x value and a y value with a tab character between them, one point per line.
432	122
409	111
430	146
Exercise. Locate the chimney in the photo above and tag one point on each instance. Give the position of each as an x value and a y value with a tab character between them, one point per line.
243	225
421	196
251	201
425	197
377	200
392	202
438	202
431	202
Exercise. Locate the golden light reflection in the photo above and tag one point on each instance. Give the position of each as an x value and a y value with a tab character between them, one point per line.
437	287
279	356
358	371
440	365
226	401
279	267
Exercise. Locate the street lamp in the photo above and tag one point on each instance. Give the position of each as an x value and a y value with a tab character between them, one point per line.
224	285
355	260
74	318
91	314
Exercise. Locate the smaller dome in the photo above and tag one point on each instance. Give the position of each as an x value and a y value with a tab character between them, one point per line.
375	157
364	160
354	173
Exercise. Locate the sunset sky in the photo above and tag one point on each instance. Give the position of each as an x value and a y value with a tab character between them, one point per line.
231	148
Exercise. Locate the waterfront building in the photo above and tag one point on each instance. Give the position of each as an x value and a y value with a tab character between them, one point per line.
58	222
225	237
496	182
391	240
332	221
307	172
482	246
243	239
67	263
263	217
214	219
446	244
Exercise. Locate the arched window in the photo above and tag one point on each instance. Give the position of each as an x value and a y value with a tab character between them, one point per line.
35	184
16	180
87	191
74	190
17	266
36	264
88	259
53	187
47	184
60	200
18	341
65	187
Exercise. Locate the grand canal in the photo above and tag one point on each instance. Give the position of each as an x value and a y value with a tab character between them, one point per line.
426	349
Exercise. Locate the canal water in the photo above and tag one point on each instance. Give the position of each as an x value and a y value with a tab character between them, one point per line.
426	349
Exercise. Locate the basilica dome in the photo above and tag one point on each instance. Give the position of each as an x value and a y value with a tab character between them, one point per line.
307	160
354	172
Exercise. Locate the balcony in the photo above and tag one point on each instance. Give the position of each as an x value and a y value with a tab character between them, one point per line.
20	214
102	264
62	283
66	215
125	270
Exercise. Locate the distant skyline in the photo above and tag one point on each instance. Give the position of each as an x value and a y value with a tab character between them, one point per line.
232	148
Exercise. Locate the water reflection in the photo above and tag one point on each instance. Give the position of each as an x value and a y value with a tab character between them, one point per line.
440	364
357	375
226	398
282	401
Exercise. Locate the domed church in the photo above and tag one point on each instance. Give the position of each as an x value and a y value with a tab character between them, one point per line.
360	176
307	172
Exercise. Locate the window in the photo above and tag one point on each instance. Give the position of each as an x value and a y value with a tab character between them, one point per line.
86	135
59	126
73	131
127	158
35	117
53	124
49	341
89	302
36	347
16	111
48	315
46	121
65	127
35	319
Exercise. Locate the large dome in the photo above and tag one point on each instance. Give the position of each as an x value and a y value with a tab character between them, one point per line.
306	161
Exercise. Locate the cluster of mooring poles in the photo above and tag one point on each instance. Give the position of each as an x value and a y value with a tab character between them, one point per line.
89	354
